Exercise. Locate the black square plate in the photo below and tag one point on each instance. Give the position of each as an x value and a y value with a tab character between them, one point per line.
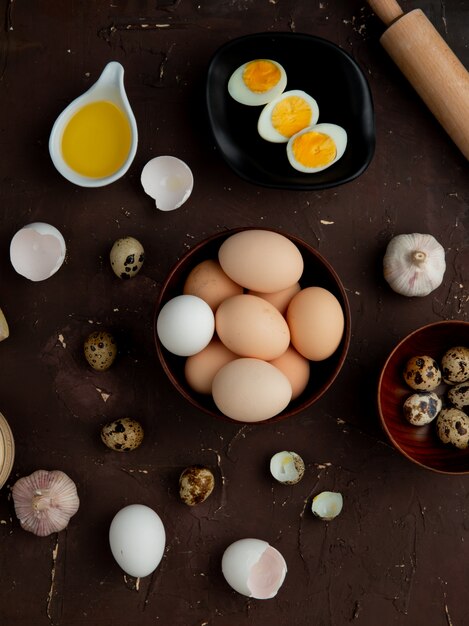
314	65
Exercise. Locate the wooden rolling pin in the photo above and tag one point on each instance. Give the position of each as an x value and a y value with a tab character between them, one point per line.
429	65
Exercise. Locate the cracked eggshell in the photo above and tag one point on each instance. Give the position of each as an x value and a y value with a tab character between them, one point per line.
287	467
122	435
37	251
137	539
327	505
126	257
168	180
254	568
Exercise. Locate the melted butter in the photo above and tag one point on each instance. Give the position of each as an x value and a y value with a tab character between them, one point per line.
96	141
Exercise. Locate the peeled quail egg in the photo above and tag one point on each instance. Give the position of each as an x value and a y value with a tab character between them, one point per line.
254	568
196	483
452	426
288	114
137	539
315	148
327	505
257	82
100	350
168	180
185	325
422	408
287	467
122	435
455	365
126	256
37	251
422	373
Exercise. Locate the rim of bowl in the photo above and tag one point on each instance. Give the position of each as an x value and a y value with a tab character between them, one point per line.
345	342
384	425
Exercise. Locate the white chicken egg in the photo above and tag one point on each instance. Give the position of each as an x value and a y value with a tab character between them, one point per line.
168	180
185	325
254	568
137	539
37	251
317	147
257	82
287	115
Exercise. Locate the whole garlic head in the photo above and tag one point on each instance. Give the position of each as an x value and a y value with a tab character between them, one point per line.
414	265
45	501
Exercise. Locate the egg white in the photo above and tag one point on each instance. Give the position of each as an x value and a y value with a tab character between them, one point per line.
240	92
264	126
337	134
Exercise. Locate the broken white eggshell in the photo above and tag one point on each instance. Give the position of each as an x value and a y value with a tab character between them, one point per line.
168	180
287	467
37	251
254	568
327	505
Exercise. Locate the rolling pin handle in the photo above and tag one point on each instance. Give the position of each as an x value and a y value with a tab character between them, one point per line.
388	11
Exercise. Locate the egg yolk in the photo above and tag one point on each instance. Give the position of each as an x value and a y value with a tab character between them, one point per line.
291	115
97	139
260	76
313	149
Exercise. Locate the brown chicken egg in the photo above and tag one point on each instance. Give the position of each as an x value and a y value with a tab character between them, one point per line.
208	281
200	368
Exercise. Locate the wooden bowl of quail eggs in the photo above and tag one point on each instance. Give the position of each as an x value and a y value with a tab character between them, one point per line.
252	325
423	397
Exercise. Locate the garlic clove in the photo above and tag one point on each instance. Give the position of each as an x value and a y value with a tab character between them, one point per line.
414	264
45	501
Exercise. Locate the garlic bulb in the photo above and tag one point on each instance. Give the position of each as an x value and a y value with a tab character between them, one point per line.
45	501
414	265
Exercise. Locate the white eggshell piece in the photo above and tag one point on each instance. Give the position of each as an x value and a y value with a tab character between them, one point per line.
37	251
254	568
137	539
287	467
185	325
168	180
327	505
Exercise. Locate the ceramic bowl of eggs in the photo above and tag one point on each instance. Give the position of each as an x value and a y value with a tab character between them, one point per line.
423	397
252	325
282	124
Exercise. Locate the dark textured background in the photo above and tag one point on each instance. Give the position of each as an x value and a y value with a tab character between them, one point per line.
399	553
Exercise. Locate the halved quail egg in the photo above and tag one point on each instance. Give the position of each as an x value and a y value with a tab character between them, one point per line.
287	467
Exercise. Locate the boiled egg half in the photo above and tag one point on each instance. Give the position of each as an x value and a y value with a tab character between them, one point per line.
317	147
285	116
257	82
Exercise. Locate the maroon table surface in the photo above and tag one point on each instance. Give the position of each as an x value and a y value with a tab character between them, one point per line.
399	552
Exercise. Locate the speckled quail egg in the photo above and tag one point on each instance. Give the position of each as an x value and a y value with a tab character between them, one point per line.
100	350
422	373
422	408
327	505
126	256
455	365
196	483
287	467
122	435
459	396
452	426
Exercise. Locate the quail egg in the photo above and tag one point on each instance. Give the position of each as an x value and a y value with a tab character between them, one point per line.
452	427
455	365
196	483
126	256
422	373
100	350
122	435
422	408
459	396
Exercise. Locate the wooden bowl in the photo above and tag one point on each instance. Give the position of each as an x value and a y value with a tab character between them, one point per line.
317	271
420	444
7	450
